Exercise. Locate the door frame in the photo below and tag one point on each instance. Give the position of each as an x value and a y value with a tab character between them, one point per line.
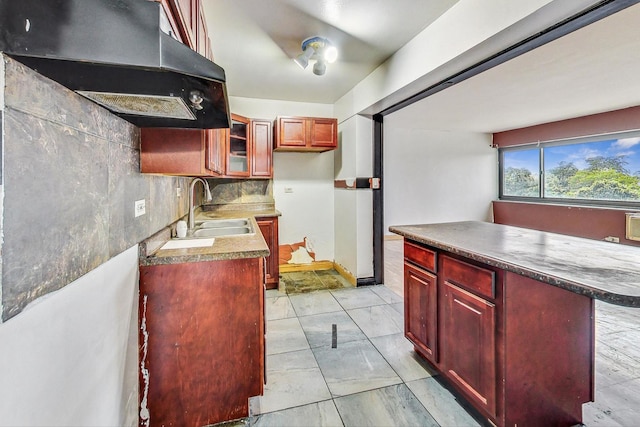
582	19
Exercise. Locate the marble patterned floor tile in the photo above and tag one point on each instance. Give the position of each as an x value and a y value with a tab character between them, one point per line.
285	335
399	307
617	404
389	406
319	331
357	298
314	303
378	320
320	414
441	404
279	308
273	293
353	367
387	294
293	379
399	352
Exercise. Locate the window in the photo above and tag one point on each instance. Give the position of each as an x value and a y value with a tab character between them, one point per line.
602	170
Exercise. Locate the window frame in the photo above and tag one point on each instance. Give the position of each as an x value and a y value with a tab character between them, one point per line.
540	146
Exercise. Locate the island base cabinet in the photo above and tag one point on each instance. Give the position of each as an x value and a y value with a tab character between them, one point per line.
468	345
549	353
420	323
520	351
201	342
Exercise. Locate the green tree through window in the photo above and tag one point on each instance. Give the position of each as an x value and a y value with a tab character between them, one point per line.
603	169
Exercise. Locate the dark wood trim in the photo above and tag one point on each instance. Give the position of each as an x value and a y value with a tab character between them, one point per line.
367	281
378	202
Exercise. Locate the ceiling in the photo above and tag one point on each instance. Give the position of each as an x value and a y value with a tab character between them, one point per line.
594	69
255	42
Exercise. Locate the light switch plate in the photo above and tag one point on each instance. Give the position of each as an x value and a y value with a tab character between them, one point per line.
140	208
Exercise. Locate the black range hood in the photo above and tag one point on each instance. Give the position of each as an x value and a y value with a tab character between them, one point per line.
116	53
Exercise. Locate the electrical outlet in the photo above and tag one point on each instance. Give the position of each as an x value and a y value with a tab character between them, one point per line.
178	192
612	239
140	208
288	189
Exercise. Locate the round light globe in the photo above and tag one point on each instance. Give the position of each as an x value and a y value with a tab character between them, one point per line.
330	54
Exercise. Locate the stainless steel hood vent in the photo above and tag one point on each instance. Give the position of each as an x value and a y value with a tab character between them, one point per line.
115	53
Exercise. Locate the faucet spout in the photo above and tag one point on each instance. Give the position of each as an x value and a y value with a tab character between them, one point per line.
208	198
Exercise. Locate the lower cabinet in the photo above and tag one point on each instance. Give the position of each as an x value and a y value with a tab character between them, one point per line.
201	342
468	345
521	352
420	322
269	228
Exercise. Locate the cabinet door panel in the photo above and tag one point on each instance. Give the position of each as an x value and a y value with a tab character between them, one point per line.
468	345
238	149
292	132
324	133
420	298
269	229
216	146
261	149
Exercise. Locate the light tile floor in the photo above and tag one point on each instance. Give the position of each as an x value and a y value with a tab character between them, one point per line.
374	378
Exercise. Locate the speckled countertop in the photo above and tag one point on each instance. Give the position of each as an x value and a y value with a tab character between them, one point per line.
224	247
598	269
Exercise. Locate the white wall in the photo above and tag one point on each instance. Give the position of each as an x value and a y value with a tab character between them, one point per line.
307	211
71	357
437	176
465	34
354	208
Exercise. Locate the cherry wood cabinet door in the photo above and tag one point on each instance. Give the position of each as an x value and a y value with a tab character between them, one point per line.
187	11
323	133
201	329
173	152
468	348
269	228
291	132
238	150
420	307
215	150
261	149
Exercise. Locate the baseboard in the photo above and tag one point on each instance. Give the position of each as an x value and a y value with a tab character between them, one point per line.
392	237
345	273
315	265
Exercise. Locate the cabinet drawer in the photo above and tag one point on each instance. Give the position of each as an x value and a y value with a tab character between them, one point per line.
471	277
425	258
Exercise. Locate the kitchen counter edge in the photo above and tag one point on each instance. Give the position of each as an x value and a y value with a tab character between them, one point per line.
572	263
224	248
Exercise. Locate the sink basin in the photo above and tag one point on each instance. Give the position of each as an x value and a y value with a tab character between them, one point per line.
221	231
223	223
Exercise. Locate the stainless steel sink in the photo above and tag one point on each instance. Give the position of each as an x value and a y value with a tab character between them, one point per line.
222	223
222	231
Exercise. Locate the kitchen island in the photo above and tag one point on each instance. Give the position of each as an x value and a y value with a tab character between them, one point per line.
506	314
202	324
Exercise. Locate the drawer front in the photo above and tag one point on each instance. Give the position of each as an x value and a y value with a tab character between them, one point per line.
425	258
471	277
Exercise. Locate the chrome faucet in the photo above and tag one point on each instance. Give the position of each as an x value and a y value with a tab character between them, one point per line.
208	198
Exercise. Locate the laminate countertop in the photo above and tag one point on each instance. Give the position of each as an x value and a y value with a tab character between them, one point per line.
606	271
224	247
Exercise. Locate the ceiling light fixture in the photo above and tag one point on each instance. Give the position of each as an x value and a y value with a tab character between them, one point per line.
319	49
